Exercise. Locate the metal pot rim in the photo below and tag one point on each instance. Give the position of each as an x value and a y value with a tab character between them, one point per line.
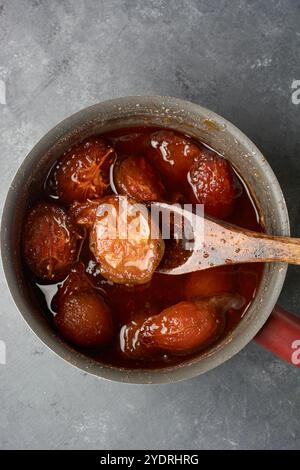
174	373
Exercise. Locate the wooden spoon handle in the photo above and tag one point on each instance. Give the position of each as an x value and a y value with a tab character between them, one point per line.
229	244
282	249
265	248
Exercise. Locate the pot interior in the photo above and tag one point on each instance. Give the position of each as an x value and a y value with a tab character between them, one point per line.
159	112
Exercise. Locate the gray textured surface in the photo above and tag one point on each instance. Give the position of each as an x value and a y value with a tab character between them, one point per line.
238	58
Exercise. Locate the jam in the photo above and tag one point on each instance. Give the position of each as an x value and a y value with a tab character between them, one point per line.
106	298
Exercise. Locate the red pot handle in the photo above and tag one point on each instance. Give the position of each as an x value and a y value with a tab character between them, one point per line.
281	335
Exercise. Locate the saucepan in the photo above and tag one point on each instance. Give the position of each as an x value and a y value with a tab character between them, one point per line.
269	324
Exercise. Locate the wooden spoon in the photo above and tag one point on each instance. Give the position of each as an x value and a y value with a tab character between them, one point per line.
222	243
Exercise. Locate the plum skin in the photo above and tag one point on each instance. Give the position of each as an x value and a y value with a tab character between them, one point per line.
83	171
49	242
214	184
85	320
181	329
134	176
209	282
173	155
